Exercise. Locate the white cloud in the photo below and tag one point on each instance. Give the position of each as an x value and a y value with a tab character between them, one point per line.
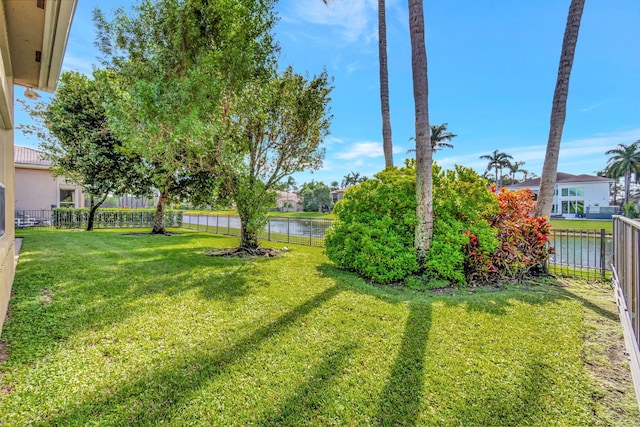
362	149
355	19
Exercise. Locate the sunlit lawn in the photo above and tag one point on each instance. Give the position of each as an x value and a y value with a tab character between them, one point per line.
582	224
111	329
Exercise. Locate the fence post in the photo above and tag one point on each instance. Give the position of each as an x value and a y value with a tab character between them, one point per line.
310	231
603	261
228	225
288	230
269	229
207	229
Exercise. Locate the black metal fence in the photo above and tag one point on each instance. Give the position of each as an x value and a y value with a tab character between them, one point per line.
33	218
578	253
583	254
626	283
301	231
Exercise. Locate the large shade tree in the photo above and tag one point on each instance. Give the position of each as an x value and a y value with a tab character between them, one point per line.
278	126
624	161
559	109
424	150
175	59
76	137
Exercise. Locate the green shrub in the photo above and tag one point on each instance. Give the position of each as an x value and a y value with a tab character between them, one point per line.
630	210
374	231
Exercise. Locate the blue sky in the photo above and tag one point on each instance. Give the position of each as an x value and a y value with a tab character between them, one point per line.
492	71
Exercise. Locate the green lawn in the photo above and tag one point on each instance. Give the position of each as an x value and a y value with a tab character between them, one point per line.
582	224
111	329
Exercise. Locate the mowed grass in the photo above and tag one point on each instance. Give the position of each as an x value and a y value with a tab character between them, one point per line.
113	329
582	224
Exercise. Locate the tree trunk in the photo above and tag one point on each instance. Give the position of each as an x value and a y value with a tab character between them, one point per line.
559	109
92	210
627	186
424	151
248	239
158	223
387	144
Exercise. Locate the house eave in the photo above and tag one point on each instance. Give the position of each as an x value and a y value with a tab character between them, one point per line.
37	39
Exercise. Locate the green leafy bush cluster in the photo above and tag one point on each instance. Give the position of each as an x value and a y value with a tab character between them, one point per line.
374	231
480	235
113	218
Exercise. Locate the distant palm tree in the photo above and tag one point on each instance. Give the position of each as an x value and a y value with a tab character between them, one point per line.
514	168
439	135
624	161
559	109
497	161
335	185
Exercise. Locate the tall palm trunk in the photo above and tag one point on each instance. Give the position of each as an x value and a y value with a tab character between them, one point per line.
387	144
424	151
627	186
559	109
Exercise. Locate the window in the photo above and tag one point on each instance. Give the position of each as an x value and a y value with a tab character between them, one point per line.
2	210
572	206
573	192
67	198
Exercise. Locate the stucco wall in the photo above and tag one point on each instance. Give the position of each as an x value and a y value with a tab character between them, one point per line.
7	255
35	189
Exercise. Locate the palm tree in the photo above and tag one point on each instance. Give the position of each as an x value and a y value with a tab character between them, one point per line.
559	109
387	144
424	150
335	185
439	135
497	161
625	160
514	168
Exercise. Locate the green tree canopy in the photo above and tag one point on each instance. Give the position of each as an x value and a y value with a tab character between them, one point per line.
175	59
316	197
77	139
277	126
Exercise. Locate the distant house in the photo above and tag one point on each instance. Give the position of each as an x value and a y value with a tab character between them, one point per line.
577	196
36	189
288	202
338	195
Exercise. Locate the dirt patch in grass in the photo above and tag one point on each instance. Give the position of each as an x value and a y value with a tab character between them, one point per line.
246	253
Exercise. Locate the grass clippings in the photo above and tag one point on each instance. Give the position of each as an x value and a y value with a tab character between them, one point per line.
150	331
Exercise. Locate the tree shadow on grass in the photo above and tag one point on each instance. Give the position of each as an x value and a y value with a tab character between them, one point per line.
98	282
402	395
153	397
308	398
